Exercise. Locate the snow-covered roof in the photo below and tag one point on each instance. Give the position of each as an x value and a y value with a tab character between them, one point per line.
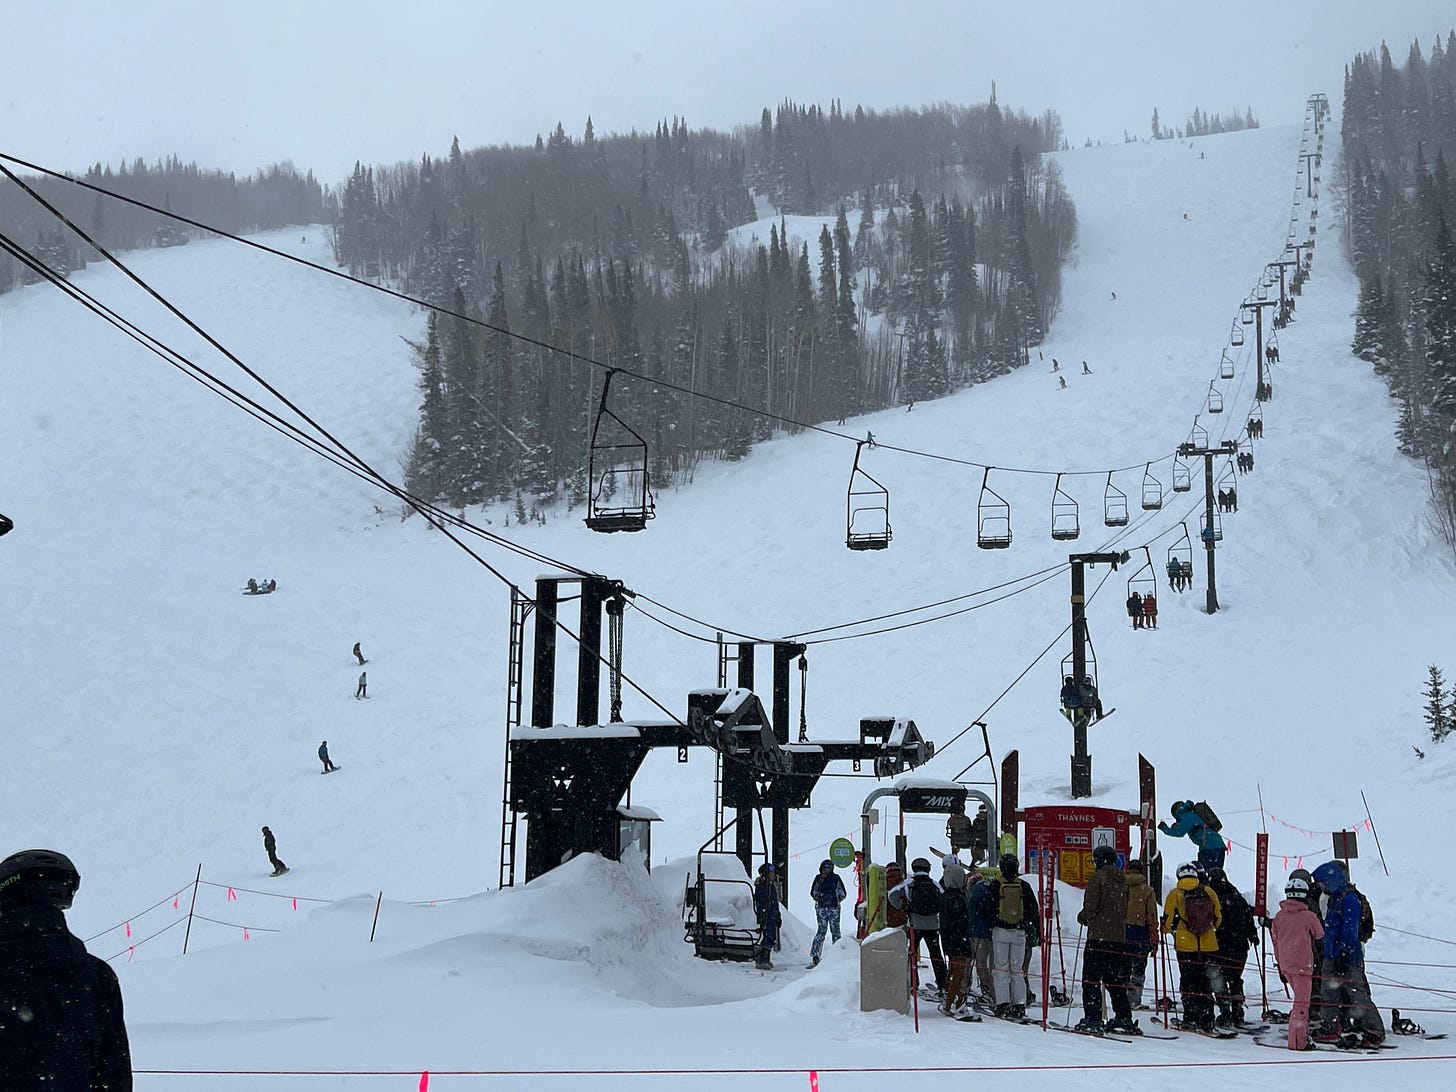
921	781
637	811
525	732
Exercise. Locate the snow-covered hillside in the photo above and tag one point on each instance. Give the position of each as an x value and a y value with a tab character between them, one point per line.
154	718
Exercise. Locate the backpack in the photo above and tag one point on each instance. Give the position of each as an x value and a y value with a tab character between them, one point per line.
1198	913
1011	906
924	896
1208	815
1367	916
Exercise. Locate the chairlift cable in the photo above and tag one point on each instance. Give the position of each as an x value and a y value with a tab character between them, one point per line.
526	339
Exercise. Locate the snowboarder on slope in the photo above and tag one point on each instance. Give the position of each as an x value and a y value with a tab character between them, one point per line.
271	846
61	1021
361	691
323	753
359	655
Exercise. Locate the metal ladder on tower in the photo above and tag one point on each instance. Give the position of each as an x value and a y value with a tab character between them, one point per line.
727	655
521	607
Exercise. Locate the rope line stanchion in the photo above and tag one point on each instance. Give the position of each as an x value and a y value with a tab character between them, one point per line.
192	907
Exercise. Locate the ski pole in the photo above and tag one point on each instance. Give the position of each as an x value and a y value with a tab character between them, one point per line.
914	976
1061	955
1076	955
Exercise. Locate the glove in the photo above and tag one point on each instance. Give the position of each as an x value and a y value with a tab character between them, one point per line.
1081	917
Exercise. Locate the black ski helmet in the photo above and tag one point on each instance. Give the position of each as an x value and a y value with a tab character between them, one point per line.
1104	855
38	876
1010	866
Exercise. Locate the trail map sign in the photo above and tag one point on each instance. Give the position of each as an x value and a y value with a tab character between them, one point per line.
1071	833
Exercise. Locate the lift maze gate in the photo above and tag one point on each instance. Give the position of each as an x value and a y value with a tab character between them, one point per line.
570	784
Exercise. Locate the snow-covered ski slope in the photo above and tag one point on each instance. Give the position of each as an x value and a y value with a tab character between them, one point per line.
154	718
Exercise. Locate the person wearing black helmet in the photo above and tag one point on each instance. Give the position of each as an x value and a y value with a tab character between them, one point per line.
61	1024
1104	913
920	897
1013	908
1237	933
828	892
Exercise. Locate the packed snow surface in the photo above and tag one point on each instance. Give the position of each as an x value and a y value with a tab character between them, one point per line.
155	717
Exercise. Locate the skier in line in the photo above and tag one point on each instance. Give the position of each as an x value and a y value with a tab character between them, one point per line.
61	1020
1297	929
978	922
766	910
828	893
1013	905
1104	913
954	934
1316	986
1187	821
1347	1004
1150	611
323	753
1142	930
921	897
1236	934
359	655
1192	914
270	845
361	691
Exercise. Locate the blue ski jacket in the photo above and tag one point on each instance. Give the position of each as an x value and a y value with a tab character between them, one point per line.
1188	823
1342	916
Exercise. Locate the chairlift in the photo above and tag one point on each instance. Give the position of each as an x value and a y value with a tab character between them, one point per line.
1257	413
1215	397
1114	505
1089	664
619	497
1182	475
1065	522
993	517
1228	477
1144	579
1246	313
867	509
1198	435
1262	292
1217	526
1152	490
1237	337
1182	552
1226	366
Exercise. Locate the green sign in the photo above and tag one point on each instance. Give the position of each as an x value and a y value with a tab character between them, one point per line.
841	852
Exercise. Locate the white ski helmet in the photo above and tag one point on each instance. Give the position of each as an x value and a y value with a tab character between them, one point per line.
1297	888
1188	871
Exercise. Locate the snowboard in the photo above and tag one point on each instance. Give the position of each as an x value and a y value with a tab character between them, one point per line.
336	769
280	872
1328	1048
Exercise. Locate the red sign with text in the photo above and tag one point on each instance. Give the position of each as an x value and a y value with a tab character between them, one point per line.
1071	833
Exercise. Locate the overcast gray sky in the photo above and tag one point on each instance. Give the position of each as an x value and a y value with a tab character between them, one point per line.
325	82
